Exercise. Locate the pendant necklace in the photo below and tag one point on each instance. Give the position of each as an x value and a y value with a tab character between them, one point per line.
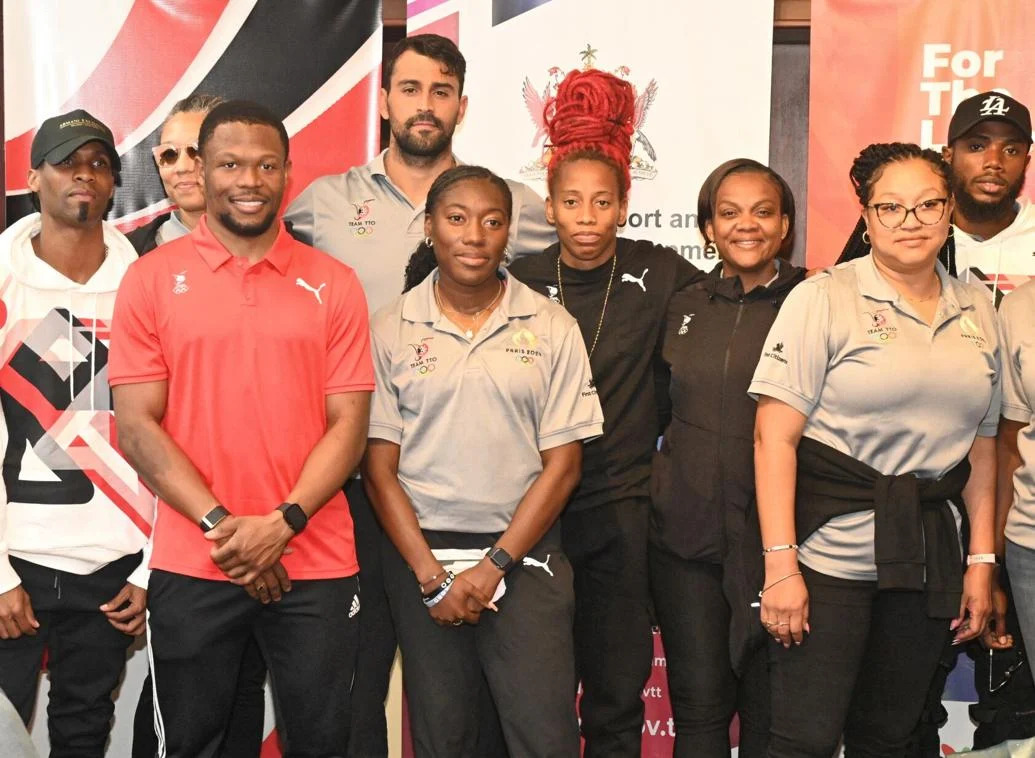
607	292
469	331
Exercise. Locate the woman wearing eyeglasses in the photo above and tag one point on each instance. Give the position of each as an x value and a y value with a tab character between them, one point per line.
879	396
175	156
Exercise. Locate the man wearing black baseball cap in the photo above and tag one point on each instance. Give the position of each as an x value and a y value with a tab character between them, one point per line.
74	518
994	229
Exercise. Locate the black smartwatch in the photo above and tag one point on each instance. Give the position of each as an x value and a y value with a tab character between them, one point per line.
294	516
209	520
500	559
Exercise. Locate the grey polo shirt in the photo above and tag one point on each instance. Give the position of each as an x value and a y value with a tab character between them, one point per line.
878	383
1015	316
471	417
364	220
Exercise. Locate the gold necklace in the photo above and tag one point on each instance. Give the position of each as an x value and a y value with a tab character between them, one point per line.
469	332
932	296
607	292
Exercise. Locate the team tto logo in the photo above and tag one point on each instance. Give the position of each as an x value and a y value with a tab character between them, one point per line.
643	157
423	363
685	326
878	328
180	283
361	225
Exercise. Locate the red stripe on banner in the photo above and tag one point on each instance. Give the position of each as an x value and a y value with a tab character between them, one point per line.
123	107
447	26
419	6
23	391
99	482
335	141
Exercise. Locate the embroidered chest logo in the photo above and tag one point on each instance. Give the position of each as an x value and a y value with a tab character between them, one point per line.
993	105
878	329
636	280
361	225
180	283
969	330
776	353
551	292
685	326
310	288
423	362
524	350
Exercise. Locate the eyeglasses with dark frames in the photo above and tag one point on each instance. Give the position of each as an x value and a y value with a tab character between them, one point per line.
893	215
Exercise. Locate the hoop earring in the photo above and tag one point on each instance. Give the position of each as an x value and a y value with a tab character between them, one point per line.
427	241
507	257
712	249
952	230
866	237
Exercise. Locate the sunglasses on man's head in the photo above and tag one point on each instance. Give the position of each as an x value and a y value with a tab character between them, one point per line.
167	155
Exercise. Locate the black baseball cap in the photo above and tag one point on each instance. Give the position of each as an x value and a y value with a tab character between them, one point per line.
987	106
60	136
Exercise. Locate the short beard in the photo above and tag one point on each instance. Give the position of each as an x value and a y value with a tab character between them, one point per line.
415	147
253	230
976	211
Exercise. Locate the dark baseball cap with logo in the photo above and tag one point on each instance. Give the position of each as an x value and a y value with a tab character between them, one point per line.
989	106
60	136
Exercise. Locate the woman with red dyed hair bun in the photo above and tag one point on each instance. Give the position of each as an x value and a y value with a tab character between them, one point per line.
617	289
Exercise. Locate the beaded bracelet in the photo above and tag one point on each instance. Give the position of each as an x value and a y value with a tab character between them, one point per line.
432	600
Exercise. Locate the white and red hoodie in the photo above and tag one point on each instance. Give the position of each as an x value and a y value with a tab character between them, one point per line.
1001	263
70	501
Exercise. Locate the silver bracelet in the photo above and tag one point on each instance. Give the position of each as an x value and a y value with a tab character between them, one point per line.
778	548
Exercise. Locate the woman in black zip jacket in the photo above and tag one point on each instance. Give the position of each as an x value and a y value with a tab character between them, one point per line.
703	476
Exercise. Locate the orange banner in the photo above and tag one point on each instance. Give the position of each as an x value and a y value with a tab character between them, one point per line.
894	70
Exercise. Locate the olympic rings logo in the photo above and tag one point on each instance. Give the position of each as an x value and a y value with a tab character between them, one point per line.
424	369
528	360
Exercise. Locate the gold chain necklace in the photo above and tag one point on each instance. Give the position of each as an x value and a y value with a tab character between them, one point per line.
469	332
932	296
607	293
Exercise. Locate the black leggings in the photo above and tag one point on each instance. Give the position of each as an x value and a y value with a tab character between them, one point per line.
862	671
705	693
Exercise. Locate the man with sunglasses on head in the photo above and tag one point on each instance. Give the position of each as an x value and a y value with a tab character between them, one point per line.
175	155
74	518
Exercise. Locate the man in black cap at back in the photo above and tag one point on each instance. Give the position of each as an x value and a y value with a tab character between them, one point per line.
74	517
994	228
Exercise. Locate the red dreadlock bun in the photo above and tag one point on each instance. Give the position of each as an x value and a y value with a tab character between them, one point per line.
592	112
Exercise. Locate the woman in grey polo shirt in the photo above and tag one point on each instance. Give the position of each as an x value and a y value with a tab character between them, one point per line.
877	384
483	397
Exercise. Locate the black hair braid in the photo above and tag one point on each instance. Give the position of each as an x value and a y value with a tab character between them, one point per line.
855	247
421	263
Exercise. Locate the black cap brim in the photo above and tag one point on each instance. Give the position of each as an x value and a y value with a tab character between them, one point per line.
66	148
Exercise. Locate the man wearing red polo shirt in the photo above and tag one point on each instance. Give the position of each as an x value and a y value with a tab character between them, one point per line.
242	378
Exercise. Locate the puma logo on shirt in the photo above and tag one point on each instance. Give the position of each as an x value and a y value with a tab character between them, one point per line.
530	561
315	290
636	280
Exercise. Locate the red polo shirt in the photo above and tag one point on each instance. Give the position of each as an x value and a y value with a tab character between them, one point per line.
249	353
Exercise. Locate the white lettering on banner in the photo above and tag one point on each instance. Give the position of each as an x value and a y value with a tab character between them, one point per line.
659	727
939	59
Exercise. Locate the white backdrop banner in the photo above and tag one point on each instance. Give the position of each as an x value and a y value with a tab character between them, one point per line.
703	90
